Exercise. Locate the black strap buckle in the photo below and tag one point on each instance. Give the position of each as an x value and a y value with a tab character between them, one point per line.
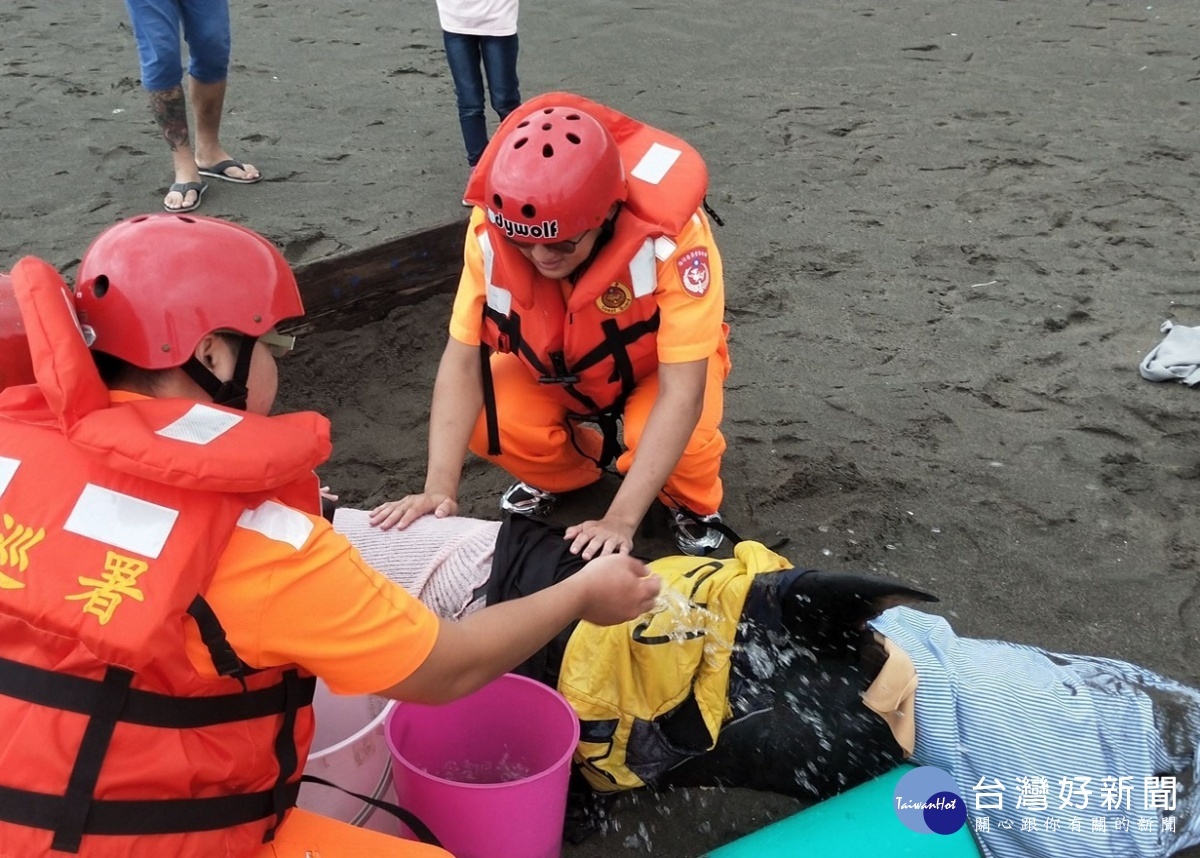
563	375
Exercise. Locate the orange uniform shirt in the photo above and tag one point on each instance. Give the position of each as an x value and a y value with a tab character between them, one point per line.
691	328
291	590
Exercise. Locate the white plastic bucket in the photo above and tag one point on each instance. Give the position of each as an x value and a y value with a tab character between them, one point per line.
349	749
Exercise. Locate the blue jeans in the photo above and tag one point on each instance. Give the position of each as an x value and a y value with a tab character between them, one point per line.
156	26
498	55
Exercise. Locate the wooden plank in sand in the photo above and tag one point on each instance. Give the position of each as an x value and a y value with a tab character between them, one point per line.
347	291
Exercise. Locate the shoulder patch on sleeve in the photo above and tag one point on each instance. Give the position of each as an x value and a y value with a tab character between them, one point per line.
278	522
694	271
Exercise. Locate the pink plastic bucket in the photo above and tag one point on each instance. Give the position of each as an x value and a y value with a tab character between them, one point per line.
488	773
349	749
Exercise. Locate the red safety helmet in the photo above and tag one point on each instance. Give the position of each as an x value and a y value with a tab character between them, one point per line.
556	174
16	365
151	287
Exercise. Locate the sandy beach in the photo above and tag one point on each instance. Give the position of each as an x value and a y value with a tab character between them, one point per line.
952	231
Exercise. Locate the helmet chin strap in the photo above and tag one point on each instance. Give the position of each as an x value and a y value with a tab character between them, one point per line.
232	393
604	237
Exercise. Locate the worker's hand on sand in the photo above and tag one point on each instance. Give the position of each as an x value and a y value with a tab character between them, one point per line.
401	513
619	588
596	538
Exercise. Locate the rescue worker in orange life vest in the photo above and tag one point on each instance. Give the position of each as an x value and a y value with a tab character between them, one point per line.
168	591
594	289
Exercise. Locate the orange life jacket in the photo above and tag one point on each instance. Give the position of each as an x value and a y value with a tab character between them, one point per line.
113	517
592	348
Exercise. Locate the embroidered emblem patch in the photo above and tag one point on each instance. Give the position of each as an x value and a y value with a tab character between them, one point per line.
617	298
694	271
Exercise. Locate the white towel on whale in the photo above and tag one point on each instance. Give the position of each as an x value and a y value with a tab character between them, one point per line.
1176	358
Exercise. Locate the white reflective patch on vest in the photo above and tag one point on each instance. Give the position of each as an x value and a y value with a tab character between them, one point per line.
664	248
121	520
499	299
643	269
656	163
201	425
8	468
489	255
276	521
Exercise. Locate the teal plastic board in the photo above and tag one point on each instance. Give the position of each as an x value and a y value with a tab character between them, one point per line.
859	823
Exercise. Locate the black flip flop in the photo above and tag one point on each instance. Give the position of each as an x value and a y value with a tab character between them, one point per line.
182	189
217	171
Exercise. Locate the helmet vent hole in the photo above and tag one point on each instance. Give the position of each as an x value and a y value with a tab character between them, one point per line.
520	142
497	202
573	138
546	126
547	151
524	123
100	286
528	211
573	117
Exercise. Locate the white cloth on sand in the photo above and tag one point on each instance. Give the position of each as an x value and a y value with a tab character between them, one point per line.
1176	358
